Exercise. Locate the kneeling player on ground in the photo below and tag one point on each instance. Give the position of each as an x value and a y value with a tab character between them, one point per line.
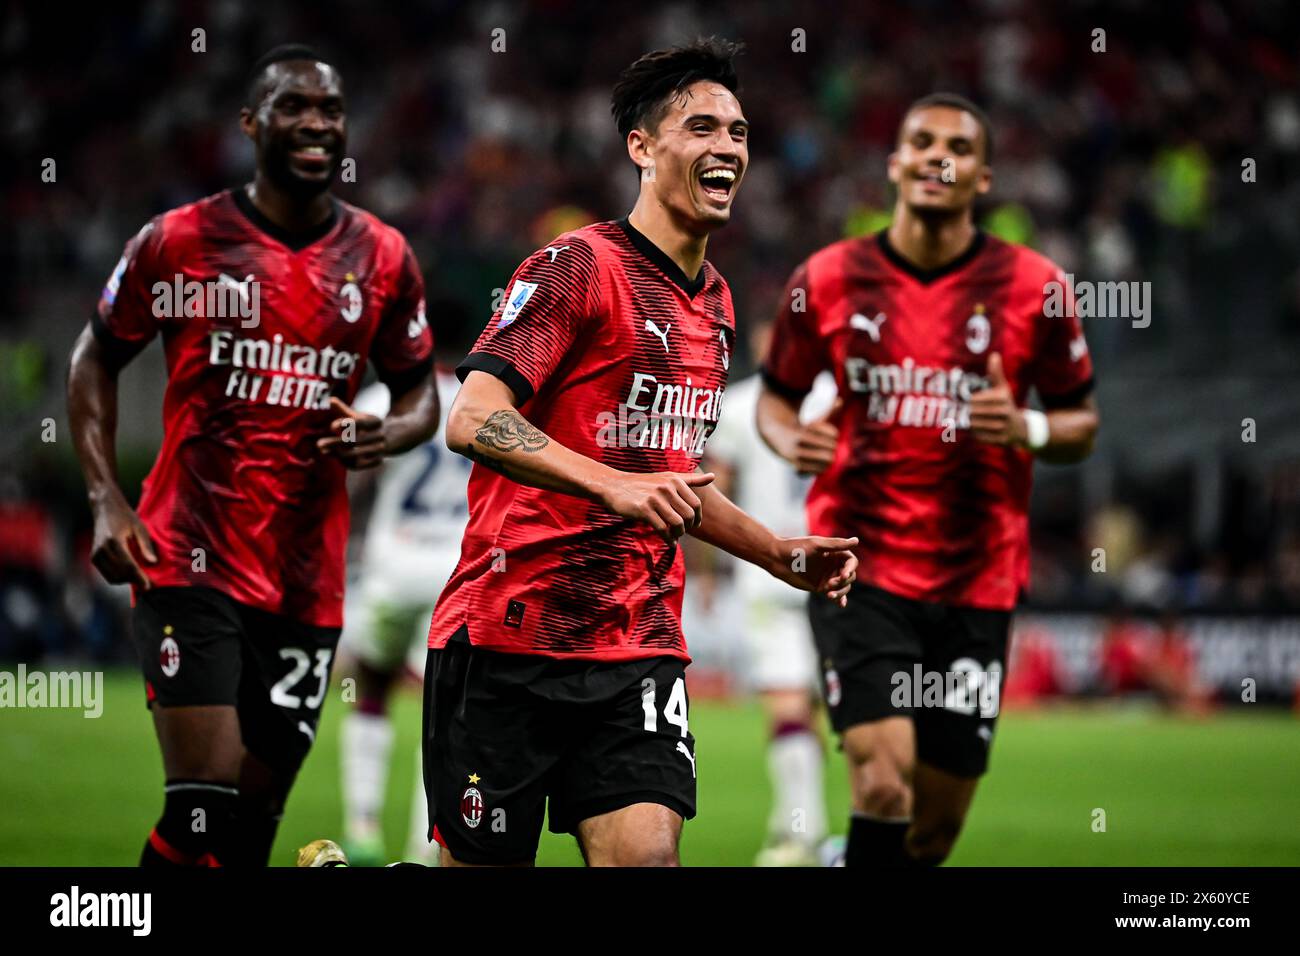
935	333
236	555
556	663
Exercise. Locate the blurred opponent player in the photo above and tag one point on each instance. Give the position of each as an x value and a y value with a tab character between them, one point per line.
783	663
269	299
936	334
412	543
556	670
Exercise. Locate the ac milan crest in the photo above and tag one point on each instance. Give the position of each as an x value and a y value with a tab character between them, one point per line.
169	656
471	807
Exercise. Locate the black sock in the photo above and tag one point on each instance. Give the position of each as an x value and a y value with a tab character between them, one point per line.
194	827
874	842
254	834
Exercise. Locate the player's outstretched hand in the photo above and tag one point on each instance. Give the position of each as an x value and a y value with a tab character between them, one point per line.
822	565
663	499
815	443
356	439
121	538
994	416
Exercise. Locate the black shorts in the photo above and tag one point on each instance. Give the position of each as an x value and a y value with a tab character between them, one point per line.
198	647
505	733
889	656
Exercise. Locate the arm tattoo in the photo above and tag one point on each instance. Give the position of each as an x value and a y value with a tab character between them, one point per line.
507	430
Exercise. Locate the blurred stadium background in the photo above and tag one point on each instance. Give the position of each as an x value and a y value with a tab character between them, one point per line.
1126	684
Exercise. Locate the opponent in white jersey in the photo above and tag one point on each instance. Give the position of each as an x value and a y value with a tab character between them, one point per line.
783	662
412	543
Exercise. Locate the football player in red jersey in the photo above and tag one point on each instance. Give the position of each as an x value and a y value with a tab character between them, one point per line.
269	299
936	334
556	663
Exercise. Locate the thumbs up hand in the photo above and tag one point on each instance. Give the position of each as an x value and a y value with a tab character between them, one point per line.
997	378
994	417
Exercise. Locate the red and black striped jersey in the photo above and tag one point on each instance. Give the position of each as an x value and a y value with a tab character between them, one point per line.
259	329
941	516
615	354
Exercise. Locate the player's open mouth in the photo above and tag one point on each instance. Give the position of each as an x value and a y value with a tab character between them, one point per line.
933	181
717	183
313	156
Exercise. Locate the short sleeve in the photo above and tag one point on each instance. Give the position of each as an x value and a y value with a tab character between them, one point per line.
125	317
795	354
402	349
540	317
1062	368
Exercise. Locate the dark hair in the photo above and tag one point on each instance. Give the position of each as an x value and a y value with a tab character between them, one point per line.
644	89
285	51
958	102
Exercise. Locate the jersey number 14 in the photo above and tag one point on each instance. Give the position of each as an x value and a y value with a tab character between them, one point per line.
674	710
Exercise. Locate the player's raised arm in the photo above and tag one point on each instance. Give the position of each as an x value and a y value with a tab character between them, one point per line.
1062	434
1065	431
1064	382
1062	375
1071	432
485	426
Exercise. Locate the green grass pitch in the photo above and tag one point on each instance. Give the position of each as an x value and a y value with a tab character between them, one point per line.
1222	791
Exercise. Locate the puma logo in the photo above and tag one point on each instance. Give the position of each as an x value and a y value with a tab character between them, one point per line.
685	752
871	326
241	288
654	329
555	250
